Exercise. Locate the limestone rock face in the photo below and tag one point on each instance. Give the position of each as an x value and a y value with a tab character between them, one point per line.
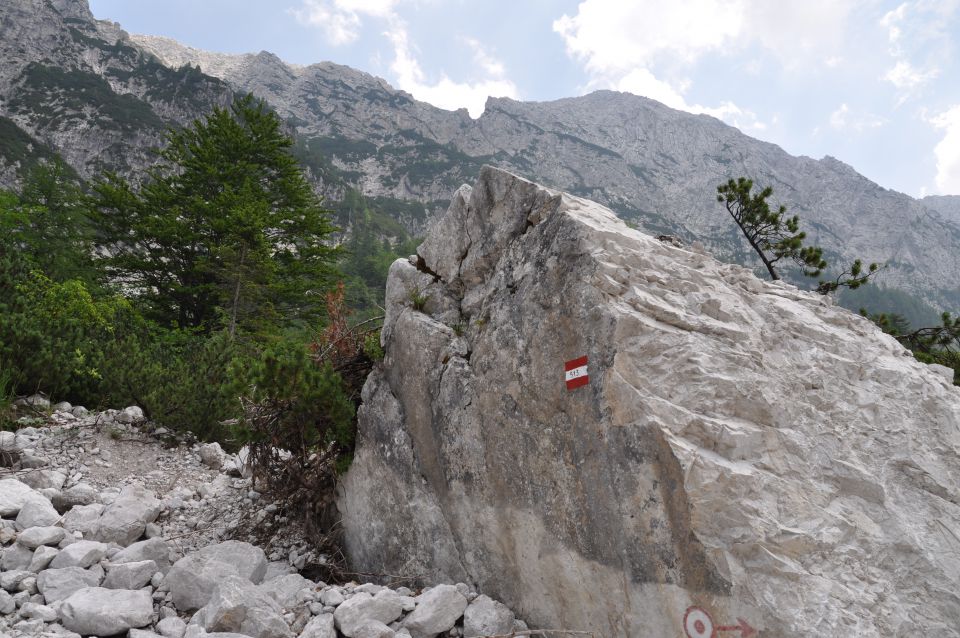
740	446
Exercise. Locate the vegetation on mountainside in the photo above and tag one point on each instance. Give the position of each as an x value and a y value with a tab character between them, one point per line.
201	295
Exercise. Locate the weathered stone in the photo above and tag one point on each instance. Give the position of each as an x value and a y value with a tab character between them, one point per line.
79	554
124	520
106	612
37	513
155	549
34	537
141	633
358	608
284	589
16	557
321	626
331	597
438	610
10	579
83	518
79	494
171	627
373	629
212	455
8	605
14	495
192	579
130	575
738	441
237	605
487	617
58	584
34	610
44	479
42	557
132	414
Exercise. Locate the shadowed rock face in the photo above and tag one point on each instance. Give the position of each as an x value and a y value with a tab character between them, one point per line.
741	446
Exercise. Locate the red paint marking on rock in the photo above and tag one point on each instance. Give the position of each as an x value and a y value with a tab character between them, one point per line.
697	623
742	626
575	372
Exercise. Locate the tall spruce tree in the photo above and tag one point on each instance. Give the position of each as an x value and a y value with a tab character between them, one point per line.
225	233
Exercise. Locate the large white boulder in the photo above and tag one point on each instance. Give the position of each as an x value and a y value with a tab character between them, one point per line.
106	612
36	513
155	549
130	575
740	446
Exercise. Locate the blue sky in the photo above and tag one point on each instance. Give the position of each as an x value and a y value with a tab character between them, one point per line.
873	83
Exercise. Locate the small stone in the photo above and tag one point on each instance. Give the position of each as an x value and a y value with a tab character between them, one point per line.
331	597
34	537
171	627
438	609
80	554
130	575
42	557
320	626
58	584
132	414
43	612
37	513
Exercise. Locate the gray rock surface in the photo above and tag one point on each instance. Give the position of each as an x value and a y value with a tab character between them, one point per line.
438	609
487	617
284	589
37	513
130	575
193	579
172	627
80	554
320	626
106	612
124	520
34	537
59	584
361	607
83	518
155	549
741	445
14	495
239	606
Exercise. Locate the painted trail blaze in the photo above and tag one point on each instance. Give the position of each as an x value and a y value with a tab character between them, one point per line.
576	373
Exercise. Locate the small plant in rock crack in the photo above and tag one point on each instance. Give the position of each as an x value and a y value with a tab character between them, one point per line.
459	328
418	298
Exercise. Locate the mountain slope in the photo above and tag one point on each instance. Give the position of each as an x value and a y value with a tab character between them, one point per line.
652	164
79	87
101	99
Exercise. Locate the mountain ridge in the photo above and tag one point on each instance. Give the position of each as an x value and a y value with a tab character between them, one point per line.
655	166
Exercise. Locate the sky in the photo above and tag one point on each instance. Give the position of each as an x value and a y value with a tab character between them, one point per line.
874	83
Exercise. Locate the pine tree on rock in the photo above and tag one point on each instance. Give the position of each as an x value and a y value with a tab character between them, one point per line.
225	233
772	237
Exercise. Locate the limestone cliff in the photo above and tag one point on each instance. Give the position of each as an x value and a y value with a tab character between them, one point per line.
741	447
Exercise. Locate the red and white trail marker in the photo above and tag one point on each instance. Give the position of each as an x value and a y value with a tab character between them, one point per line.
576	373
697	623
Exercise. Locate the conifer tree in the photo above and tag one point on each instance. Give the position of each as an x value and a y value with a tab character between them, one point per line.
226	231
775	237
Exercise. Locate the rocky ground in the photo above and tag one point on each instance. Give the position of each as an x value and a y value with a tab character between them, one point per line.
109	526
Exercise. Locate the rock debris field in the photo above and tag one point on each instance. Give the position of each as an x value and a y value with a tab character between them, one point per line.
110	527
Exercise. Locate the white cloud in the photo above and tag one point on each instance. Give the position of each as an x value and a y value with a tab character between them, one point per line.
905	77
447	93
844	119
918	30
612	36
947	151
340	21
